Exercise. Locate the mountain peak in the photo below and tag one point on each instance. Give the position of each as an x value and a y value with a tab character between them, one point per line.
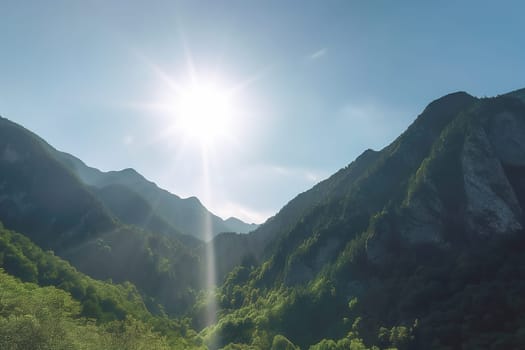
129	171
444	104
447	195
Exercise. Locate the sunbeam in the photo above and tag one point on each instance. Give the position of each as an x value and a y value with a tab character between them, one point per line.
203	112
210	276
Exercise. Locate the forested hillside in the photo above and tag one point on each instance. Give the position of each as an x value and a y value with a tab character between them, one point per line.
420	248
46	202
416	246
60	308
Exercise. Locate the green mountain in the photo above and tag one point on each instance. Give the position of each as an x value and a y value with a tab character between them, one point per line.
259	244
417	246
187	215
105	301
130	208
56	306
34	185
45	201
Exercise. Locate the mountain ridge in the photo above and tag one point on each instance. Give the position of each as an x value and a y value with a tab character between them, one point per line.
35	184
261	242
183	214
429	224
46	202
417	245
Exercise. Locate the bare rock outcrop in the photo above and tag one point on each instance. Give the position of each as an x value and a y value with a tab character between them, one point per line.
492	206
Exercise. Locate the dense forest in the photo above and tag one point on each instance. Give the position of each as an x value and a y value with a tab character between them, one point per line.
416	246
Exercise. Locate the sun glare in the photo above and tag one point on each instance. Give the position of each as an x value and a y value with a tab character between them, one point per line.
202	107
205	111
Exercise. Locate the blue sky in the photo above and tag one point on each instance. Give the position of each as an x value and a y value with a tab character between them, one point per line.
322	82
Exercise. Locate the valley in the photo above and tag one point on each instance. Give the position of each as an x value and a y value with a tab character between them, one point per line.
418	245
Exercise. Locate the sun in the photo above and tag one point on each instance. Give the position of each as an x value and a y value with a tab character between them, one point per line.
205	110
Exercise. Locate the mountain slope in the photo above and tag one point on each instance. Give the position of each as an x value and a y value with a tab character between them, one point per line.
259	244
132	209
185	215
51	312
239	226
384	170
520	93
418	248
34	185
23	259
32	317
42	199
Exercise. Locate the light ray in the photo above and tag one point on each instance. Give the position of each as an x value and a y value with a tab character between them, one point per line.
210	273
175	100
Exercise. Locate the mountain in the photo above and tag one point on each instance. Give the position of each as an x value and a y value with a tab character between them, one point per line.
259	244
45	201
187	216
41	198
51	309
239	226
22	258
400	160
130	208
518	94
419	245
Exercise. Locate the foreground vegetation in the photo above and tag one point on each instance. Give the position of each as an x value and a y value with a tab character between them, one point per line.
33	317
50	305
431	299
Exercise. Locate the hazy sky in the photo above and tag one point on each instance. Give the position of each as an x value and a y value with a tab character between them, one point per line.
321	81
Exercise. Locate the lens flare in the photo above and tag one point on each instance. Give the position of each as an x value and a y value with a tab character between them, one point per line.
205	111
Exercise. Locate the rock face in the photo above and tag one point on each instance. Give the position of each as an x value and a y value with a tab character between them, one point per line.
430	228
468	186
443	182
492	206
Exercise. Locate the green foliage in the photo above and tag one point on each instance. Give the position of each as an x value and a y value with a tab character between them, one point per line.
400	336
33	317
281	343
163	269
350	342
107	303
100	300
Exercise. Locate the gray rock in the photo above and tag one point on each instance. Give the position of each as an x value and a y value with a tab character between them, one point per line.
492	206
